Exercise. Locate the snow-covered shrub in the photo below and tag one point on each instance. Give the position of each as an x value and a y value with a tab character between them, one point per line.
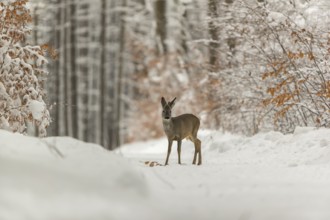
276	73
296	74
21	72
298	80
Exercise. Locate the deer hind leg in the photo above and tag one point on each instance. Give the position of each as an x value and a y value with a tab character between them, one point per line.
196	149
195	155
168	151
179	151
199	143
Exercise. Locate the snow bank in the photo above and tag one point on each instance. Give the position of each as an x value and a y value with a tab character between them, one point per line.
63	178
305	146
267	176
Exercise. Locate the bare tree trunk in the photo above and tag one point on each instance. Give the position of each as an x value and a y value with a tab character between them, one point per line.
103	75
62	72
117	138
57	70
32	129
68	71
74	77
214	34
112	66
160	10
82	68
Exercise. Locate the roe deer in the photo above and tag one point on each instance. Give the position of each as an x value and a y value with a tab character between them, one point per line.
178	128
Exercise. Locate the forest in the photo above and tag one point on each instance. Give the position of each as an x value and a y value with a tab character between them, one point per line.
96	70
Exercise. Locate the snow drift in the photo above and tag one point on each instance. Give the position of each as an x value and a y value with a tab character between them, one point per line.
268	176
63	178
305	146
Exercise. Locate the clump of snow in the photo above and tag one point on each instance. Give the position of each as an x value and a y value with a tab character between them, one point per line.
275	18
37	109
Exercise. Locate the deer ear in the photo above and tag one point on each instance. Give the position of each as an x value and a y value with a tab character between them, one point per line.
163	101
172	103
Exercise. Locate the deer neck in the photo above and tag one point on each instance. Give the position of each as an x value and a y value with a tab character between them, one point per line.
168	125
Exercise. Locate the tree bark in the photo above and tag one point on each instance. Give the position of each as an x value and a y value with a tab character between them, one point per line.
62	72
68	71
103	74
117	138
82	69
160	10
57	69
74	77
214	34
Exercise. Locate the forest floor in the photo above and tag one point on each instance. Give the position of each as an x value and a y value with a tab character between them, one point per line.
267	176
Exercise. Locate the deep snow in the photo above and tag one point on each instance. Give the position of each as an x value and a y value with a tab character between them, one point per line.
267	176
62	178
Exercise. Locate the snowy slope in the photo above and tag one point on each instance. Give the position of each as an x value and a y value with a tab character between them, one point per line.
267	176
264	177
86	182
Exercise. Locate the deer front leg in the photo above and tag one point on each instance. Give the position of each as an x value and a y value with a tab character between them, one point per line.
179	151
168	151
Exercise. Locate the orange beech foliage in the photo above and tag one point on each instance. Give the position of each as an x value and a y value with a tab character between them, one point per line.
299	85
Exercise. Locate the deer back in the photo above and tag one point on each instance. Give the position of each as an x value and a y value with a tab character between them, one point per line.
182	126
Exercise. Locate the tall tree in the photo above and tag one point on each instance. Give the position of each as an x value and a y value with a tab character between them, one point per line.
62	108
68	73
160	11
103	75
119	80
74	76
214	34
82	39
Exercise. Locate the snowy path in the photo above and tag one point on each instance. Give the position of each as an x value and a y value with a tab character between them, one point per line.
269	176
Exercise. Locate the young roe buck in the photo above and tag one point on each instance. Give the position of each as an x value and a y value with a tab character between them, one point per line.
178	128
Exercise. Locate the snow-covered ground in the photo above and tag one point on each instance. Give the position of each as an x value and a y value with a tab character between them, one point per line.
264	177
